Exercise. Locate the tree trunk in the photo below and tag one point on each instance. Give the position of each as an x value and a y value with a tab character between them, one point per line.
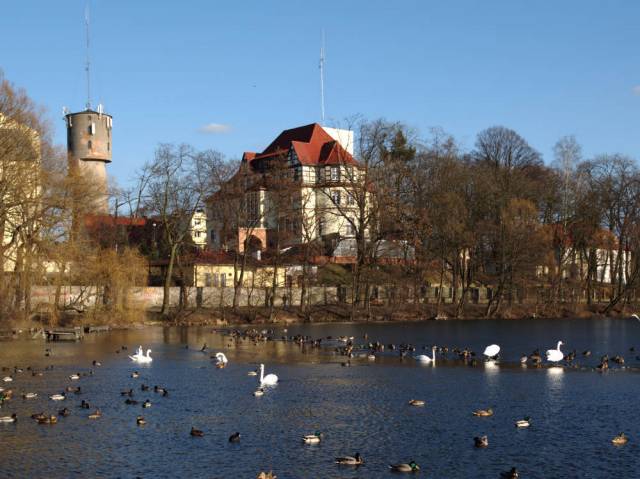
166	296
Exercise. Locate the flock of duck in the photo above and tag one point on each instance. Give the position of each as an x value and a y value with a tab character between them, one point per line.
344	346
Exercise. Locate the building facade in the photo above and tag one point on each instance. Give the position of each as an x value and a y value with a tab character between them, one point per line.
305	186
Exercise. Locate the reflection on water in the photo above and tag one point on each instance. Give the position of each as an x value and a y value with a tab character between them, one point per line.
363	408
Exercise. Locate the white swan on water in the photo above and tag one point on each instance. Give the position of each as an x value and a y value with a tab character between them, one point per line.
221	358
139	357
491	351
269	379
555	355
423	358
635	316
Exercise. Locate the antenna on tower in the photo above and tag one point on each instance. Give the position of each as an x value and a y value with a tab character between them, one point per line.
88	60
322	76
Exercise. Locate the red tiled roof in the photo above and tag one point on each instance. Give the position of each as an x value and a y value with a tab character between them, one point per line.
312	145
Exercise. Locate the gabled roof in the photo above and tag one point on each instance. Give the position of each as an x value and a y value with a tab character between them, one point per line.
311	144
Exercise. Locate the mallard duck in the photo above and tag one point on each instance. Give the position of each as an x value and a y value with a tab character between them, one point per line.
258	392
417	402
128	392
12	418
405	467
620	439
97	414
64	412
481	441
483	412
96	363
235	437
38	416
7	379
267	475
196	432
510	474
252	373
526	422
130	402
75	377
140	421
57	397
135	375
146	404
144	387
29	395
355	460
314	438
48	420
85	405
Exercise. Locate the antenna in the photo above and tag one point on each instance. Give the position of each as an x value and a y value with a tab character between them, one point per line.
322	76
88	60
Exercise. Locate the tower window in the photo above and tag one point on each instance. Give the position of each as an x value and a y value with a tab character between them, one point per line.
108	146
92	129
90	145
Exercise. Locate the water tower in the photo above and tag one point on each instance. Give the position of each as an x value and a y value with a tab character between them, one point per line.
89	144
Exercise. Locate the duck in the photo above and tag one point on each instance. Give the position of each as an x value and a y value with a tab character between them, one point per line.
196	432
57	397
64	412
38	416
135	375
12	418
96	414
523	359
510	474
354	460
417	402
314	438
140	421
129	393
526	422
29	395
483	412
235	437
620	439
70	389
7	379
144	387
85	405
258	392
146	404
131	402
252	373
75	377
47	420
411	466
481	441
96	363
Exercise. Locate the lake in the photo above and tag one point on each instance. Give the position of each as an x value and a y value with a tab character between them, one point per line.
575	411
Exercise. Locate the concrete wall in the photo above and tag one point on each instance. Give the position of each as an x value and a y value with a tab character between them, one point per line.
150	298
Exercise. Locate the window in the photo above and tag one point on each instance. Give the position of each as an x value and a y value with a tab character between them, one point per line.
196	222
108	146
90	145
207	279
320	227
335	173
92	129
197	234
351	231
335	197
351	200
215	280
223	280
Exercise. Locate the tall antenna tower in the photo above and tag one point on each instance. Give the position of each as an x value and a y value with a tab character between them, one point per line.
322	77
87	66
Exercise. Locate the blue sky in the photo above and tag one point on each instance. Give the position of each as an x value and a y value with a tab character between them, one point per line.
165	69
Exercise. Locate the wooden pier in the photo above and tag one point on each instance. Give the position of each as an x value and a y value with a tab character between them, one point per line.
64	334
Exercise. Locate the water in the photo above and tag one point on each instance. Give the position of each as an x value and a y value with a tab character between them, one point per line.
364	408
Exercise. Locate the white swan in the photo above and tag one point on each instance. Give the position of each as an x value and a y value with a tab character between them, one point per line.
555	355
423	358
635	316
491	351
139	357
269	379
221	358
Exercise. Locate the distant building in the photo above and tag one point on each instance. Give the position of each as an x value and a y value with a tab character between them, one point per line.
89	145
303	187
198	228
20	189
